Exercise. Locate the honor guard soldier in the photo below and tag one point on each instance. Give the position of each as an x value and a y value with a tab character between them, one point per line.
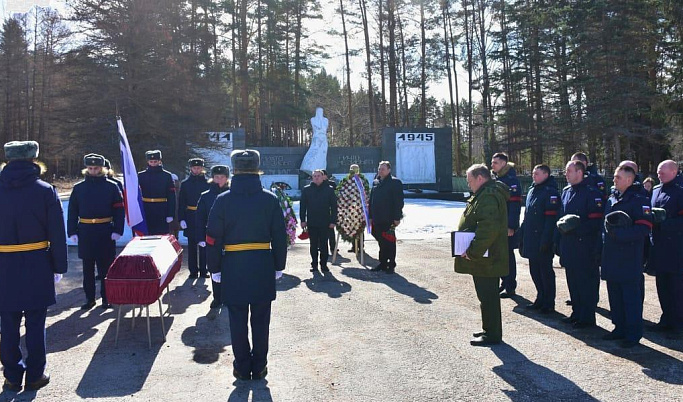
628	222
538	228
111	175
158	194
32	259
666	254
95	222
505	172
592	176
579	226
218	185
246	252
190	190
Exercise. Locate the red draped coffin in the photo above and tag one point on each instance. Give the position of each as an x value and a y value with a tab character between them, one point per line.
143	269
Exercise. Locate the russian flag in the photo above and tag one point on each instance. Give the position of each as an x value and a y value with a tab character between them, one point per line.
132	197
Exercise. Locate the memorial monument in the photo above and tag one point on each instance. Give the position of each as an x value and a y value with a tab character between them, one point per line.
316	156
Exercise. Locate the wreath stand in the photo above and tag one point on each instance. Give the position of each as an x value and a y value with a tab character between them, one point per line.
358	246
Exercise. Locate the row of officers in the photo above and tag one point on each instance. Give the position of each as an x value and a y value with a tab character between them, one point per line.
615	234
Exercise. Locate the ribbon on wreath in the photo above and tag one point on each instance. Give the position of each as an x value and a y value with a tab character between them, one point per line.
361	190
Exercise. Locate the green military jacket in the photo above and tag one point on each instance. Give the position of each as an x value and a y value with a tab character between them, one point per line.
486	216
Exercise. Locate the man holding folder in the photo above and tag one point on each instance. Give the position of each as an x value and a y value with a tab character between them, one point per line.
486	217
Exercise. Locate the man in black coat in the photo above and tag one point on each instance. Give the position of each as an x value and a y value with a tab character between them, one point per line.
158	194
331	235
386	211
218	185
318	214
95	222
32	259
246	252
190	190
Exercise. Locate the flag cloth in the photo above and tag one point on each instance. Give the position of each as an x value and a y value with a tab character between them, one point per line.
132	197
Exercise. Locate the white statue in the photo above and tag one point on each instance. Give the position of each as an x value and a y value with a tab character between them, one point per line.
316	156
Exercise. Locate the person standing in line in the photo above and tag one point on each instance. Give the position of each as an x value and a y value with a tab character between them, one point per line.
538	228
158	195
505	172
33	258
318	214
190	190
246	244
386	212
331	235
486	217
94	222
217	185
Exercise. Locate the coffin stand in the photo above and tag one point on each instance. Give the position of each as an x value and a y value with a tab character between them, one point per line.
139	275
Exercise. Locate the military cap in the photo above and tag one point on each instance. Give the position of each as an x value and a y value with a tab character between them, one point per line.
324	172
658	215
154	155
220	169
21	150
245	161
196	162
93	160
568	223
107	164
617	219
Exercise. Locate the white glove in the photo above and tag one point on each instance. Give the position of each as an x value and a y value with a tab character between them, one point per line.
202	244
74	239
216	277
115	236
278	274
169	219
58	277
183	225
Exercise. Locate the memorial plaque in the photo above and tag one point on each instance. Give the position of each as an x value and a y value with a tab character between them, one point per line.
340	158
281	161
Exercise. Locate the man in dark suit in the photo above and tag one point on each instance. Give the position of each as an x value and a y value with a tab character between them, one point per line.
32	259
246	252
386	212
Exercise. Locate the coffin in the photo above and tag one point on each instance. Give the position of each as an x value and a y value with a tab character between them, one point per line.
143	269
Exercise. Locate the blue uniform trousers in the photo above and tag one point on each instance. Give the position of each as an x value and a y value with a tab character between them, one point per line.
626	309
543	276
584	288
250	359
509	282
216	287
34	364
103	264
670	292
196	265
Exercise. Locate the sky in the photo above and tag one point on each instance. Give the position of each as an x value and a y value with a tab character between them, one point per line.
318	30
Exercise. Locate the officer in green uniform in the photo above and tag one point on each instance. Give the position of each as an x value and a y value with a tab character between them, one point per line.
486	216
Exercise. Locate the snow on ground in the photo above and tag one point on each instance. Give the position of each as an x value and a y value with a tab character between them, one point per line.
423	219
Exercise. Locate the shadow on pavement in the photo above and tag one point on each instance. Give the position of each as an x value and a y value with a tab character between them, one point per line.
395	281
532	381
327	283
191	291
122	371
258	389
75	329
287	282
208	337
24	395
655	364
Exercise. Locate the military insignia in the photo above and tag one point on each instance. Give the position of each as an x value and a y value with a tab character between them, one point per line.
646	210
553	199
598	202
601	186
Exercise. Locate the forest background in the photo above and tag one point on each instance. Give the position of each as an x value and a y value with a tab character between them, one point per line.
538	79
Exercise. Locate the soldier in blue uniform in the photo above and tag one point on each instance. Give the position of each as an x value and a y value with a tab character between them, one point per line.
32	259
592	177
218	185
538	228
580	248
246	252
190	190
666	254
505	171
622	256
158	194
95	222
